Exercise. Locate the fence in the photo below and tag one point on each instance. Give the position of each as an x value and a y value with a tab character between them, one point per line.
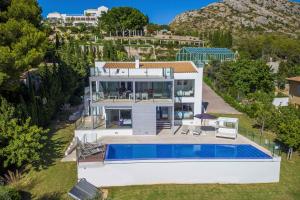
261	140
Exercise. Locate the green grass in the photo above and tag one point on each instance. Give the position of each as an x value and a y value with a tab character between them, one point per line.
56	178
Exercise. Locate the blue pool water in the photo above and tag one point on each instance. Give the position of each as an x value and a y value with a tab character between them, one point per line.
182	151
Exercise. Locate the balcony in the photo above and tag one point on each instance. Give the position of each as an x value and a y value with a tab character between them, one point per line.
132	72
184	88
112	91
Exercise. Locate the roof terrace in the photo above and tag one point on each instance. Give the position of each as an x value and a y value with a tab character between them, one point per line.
142	69
132	72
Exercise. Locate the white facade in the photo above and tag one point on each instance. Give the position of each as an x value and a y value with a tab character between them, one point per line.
233	171
131	99
146	99
90	17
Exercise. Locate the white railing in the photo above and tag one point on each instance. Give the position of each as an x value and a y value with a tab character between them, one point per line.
131	72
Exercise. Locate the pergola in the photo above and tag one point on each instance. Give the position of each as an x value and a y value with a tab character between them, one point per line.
202	56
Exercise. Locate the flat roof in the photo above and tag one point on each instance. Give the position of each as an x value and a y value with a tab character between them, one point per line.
178	67
296	78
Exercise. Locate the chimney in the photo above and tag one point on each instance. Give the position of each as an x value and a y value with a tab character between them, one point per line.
137	62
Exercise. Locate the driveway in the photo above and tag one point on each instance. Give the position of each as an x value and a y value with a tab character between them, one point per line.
213	103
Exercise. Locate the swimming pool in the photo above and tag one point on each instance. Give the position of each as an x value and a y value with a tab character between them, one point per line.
119	152
143	164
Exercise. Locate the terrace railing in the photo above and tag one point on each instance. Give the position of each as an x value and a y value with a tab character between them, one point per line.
89	123
261	140
132	72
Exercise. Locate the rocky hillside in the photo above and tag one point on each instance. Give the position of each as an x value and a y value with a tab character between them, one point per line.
242	15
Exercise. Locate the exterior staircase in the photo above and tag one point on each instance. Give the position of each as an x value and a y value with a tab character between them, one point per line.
163	125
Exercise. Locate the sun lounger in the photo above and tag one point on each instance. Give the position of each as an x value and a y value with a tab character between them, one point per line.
197	130
184	129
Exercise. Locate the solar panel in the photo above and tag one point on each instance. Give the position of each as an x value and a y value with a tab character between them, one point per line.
84	190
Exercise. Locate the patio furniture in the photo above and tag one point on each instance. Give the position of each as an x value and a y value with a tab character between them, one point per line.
197	130
179	93
130	96
157	95
117	71
123	96
102	95
184	114
227	127
185	129
187	93
113	95
187	114
145	96
124	122
138	96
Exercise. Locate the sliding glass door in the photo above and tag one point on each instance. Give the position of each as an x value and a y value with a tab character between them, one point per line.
118	118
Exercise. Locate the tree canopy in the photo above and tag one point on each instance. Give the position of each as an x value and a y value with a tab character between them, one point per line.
22	43
270	45
20	142
151	28
221	39
123	18
243	77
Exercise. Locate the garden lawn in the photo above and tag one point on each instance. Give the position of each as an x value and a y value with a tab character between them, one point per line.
53	182
56	178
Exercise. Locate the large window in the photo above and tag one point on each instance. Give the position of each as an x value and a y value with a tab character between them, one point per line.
184	111
153	90
184	88
118	118
112	90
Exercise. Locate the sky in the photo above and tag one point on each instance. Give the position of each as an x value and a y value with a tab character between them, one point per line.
158	11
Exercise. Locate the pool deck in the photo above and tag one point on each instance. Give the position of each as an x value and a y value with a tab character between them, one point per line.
164	138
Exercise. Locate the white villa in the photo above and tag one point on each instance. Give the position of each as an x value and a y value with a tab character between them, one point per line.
89	17
141	98
134	131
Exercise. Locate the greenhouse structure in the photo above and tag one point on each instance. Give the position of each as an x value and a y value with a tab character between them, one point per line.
201	56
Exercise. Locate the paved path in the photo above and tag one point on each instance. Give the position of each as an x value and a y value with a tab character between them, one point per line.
214	103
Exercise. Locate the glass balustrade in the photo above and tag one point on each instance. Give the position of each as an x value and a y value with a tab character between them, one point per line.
153	91
123	91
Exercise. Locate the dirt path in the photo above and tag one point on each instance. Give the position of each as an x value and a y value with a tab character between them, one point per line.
213	103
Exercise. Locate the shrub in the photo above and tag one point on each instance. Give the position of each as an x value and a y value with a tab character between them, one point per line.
12	177
7	193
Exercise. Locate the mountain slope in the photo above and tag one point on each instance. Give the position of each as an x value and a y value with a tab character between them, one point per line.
242	15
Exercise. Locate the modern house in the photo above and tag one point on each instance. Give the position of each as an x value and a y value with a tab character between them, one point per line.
89	17
140	98
294	90
133	131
